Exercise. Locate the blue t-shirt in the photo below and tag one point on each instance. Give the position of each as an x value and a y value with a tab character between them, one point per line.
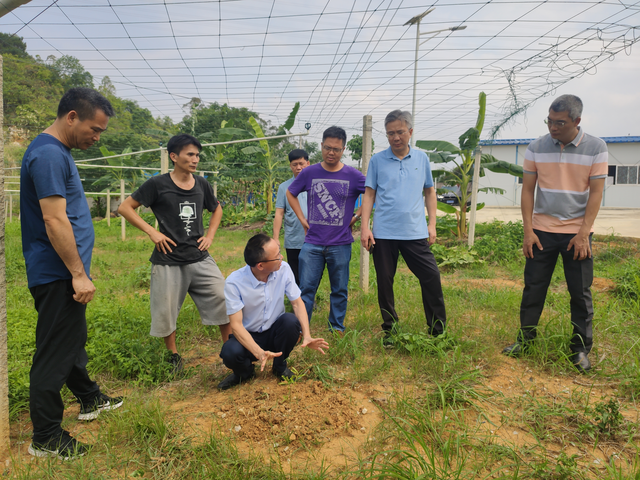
293	229
47	170
399	184
331	197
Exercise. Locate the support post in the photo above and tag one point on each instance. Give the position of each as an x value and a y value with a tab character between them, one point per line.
474	196
10	208
123	222
108	208
366	155
4	370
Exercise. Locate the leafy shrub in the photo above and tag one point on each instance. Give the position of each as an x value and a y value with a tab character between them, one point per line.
627	280
99	208
456	256
236	215
499	242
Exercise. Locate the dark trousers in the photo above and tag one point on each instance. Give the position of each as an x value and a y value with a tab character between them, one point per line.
281	337
421	262
292	260
61	334
537	276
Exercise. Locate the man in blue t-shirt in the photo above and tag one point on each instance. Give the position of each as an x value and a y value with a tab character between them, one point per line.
332	190
293	230
57	240
396	181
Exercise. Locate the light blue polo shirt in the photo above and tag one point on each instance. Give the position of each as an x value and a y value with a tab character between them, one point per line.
293	229
261	303
399	184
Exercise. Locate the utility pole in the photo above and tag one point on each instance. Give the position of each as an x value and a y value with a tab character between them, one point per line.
416	21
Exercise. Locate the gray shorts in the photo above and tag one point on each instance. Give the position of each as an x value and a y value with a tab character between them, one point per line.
169	287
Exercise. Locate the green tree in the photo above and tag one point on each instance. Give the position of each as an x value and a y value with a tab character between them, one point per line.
13	45
71	72
463	157
355	147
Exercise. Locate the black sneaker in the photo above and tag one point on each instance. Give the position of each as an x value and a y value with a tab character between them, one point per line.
286	374
177	362
63	447
101	403
233	380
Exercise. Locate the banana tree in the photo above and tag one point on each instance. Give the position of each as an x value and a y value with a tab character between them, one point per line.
265	162
441	151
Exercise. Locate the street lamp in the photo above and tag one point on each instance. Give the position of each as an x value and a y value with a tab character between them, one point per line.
416	21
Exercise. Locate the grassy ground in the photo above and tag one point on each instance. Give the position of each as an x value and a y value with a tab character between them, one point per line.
428	408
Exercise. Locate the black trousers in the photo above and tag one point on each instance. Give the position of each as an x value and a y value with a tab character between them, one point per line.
60	357
292	260
281	337
537	276
422	264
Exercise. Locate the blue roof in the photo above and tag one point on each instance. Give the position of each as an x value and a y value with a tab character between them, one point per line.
527	141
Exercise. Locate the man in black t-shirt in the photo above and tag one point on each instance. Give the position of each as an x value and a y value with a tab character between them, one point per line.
180	262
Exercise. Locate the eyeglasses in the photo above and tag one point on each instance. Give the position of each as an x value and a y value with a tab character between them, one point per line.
332	150
551	123
280	257
398	133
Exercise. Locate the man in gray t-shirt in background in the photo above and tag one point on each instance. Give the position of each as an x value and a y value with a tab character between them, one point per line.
293	230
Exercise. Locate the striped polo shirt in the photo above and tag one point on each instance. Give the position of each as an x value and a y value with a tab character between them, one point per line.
564	172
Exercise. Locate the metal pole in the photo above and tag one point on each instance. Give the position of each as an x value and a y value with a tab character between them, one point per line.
123	226
108	208
474	196
366	155
415	81
4	370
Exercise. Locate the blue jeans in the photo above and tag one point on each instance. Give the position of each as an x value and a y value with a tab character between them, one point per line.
311	264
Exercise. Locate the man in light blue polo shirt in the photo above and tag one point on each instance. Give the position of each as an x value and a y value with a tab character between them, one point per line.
255	304
396	181
293	229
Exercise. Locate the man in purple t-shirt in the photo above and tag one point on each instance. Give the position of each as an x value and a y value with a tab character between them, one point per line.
332	189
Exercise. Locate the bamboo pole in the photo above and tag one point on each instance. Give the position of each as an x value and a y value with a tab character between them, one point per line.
366	155
123	225
4	371
108	208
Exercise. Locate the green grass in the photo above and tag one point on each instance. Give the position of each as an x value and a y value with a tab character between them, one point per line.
454	402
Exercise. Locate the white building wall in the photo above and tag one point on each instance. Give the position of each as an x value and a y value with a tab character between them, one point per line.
614	195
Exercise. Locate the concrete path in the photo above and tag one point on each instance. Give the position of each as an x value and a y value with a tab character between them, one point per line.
624	222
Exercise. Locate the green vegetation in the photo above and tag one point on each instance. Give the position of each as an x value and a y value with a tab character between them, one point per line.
450	407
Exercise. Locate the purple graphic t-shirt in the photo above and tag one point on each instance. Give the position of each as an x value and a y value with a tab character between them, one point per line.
331	197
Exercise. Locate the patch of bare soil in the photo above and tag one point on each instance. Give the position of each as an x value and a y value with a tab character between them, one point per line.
484	283
304	422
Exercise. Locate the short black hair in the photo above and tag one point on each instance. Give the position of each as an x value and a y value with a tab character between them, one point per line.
335	132
298	153
178	142
254	251
85	102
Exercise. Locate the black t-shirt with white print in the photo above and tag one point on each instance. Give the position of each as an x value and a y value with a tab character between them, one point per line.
179	214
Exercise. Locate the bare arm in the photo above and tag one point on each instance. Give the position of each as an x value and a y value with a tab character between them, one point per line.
580	242
247	341
60	233
300	312
277	224
366	236
128	210
295	205
431	202
526	206
214	223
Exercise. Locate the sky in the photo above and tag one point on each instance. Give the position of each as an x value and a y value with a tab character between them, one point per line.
342	59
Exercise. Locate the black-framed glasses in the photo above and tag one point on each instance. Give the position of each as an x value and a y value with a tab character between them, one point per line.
332	150
398	133
557	123
280	257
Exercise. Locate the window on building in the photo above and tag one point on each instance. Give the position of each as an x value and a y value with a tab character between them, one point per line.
623	175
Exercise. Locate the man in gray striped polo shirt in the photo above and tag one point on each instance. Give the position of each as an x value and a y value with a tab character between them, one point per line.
569	168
